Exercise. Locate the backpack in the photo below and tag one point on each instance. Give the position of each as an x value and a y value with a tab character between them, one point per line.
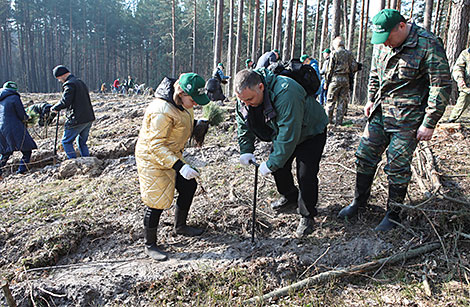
214	90
305	75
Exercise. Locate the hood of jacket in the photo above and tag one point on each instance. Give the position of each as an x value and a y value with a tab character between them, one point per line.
5	92
165	91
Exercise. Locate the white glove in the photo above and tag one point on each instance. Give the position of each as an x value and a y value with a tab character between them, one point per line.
246	158
264	170
188	172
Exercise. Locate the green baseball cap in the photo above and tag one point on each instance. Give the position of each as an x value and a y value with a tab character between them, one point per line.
383	23
276	50
327	50
195	86
248	61
11	85
303	57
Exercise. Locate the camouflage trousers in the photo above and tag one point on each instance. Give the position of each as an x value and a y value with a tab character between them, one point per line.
462	103
338	94
399	145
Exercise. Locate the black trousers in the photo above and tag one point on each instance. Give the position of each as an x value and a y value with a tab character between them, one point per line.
186	189
308	155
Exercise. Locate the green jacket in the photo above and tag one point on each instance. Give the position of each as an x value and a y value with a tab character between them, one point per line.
296	118
461	69
410	83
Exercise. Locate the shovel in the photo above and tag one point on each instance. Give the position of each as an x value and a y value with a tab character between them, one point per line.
254	202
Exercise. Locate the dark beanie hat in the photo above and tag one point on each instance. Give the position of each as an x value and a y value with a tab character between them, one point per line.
59	71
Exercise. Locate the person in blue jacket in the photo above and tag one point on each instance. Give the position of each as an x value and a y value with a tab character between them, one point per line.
13	133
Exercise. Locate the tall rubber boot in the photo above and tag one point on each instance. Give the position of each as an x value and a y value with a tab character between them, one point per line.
361	195
151	248
180	224
396	193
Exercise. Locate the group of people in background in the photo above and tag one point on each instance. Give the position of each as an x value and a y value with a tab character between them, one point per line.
409	88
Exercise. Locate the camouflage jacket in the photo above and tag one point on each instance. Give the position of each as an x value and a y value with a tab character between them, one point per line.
410	83
341	63
461	69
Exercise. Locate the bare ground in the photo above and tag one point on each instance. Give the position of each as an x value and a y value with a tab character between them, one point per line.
71	232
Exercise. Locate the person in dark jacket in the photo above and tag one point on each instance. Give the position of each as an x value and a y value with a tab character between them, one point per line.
13	133
76	100
267	59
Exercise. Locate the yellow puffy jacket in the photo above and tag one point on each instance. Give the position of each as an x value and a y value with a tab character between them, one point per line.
164	132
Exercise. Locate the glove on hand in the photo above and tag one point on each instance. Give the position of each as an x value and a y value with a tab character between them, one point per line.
188	172
246	158
264	170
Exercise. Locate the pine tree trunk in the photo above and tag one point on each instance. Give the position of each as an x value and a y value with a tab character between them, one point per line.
315	36
248	32
344	13
219	33
303	44
438	18
427	14
458	31
355	96
382	4
230	70
277	44
288	31
193	61
273	25
447	26
294	32
255	47
238	48
173	34
324	28
336	18
352	24
393	4
265	27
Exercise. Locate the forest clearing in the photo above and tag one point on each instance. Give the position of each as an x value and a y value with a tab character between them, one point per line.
71	232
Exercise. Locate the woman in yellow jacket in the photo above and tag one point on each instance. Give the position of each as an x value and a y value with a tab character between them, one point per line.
167	125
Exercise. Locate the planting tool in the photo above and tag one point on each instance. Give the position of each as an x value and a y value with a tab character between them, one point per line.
254	202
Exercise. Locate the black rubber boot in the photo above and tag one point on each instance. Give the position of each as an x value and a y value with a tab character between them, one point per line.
396	193
180	224
361	195
151	248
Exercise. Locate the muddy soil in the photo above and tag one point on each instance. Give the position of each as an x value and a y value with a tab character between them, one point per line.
71	232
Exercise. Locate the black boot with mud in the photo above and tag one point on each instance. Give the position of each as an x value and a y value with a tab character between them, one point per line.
396	194
361	194
151	248
284	205
180	224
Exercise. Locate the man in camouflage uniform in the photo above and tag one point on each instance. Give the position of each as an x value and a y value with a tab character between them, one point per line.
461	74
409	87
340	65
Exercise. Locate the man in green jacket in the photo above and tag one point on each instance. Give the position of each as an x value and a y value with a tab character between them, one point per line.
409	87
277	109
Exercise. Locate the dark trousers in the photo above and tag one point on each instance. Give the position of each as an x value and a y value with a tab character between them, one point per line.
308	155
24	160
186	189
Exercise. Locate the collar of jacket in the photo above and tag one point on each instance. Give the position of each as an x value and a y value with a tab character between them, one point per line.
165	91
411	40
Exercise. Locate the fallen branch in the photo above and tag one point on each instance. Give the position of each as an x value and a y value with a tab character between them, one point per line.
7	293
340	165
344	272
